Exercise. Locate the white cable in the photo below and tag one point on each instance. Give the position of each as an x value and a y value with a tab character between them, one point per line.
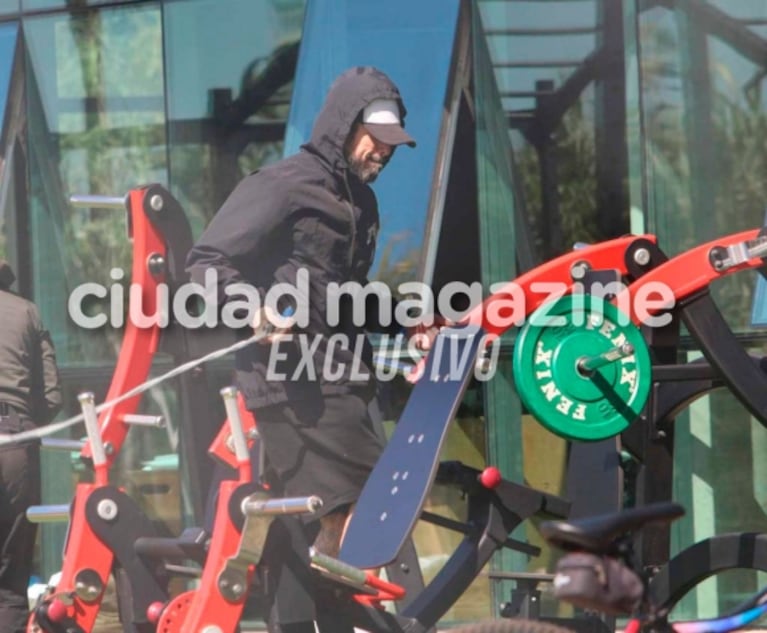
50	429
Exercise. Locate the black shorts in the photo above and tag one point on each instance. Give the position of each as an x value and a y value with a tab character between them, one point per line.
325	448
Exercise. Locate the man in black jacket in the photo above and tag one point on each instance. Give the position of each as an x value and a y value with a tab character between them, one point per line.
30	395
309	221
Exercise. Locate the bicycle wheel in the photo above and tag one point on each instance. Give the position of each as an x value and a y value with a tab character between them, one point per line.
739	550
510	625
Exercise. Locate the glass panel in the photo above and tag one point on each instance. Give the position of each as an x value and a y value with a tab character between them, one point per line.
97	124
712	434
496	212
9	7
8	33
703	113
634	131
520	38
7	44
562	88
37	5
417	59
514	442
227	100
95	108
96	115
554	78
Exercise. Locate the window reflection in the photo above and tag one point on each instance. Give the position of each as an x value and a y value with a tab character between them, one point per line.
565	105
702	107
705	117
101	121
39	5
95	118
418	59
97	122
227	100
9	6
7	138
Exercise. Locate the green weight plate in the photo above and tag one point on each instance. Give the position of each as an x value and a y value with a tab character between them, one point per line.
574	404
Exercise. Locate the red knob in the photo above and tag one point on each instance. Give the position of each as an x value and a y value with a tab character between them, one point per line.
56	610
490	477
154	611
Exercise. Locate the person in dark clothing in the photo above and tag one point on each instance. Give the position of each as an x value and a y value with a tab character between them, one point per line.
312	214
30	395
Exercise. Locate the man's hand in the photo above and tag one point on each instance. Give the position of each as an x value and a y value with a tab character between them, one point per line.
424	335
271	325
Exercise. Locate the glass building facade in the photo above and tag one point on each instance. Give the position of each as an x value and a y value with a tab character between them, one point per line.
540	123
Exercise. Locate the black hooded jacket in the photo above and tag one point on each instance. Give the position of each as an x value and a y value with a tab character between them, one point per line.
29	376
306	211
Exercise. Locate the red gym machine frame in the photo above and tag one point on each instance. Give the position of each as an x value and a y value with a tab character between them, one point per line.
84	550
684	274
607	255
694	270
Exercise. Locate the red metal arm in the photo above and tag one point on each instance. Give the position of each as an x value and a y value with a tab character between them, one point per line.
496	315
209	604
193	610
139	344
603	256
685	274
84	552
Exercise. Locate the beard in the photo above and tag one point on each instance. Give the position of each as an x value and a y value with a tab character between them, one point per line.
367	167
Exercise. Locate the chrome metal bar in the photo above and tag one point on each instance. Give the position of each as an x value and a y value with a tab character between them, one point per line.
335	566
261	456
88	405
758	248
98	202
589	364
229	394
48	513
60	444
289	505
359	588
156	421
723	259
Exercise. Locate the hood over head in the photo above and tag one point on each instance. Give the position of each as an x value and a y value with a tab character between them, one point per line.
352	92
7	277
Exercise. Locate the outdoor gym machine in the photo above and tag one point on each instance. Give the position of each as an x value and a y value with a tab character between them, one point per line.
109	535
495	507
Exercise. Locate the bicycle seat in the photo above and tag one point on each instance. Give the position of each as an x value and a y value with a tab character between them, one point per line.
598	534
